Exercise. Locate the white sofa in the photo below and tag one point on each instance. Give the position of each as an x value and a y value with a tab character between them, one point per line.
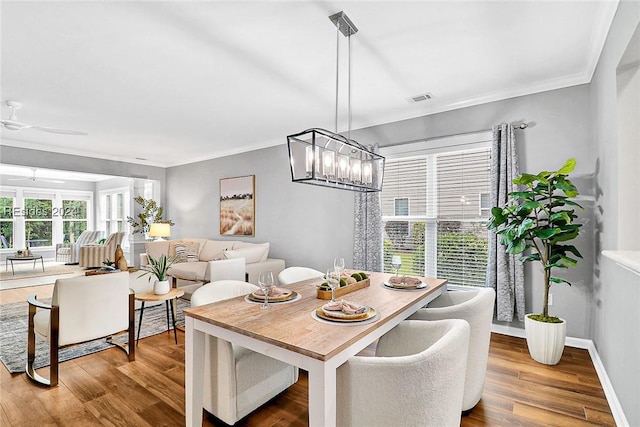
197	254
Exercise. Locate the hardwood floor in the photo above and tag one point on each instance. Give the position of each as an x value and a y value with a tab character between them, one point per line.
104	389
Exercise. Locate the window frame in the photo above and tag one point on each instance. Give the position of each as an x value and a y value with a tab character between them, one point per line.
430	149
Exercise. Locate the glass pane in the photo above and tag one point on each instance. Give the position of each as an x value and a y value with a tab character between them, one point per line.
462	252
6	238
74	209
38	233
108	227
38	208
461	177
6	207
73	229
406	239
120	225
401	207
107	206
120	205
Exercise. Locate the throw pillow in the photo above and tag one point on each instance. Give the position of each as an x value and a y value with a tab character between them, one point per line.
186	252
264	246
251	255
157	248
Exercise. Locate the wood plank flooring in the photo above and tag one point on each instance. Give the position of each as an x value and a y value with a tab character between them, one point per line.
104	389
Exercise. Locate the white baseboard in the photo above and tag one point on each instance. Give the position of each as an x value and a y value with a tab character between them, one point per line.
607	387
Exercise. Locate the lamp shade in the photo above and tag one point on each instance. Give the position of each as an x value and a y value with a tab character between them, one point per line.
160	229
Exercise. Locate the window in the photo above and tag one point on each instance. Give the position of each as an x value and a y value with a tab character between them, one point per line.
485	204
74	219
38	220
442	233
115	206
6	222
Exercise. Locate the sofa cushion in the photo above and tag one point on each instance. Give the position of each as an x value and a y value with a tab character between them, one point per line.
157	248
189	271
251	255
214	249
264	247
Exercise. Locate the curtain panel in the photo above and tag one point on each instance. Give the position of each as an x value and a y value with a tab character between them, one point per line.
367	230
505	273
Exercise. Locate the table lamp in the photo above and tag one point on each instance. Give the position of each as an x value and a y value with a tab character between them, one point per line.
160	230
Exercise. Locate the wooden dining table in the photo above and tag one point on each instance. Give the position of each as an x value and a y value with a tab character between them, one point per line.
289	332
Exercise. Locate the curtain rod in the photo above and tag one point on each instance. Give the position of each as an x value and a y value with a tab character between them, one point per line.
518	126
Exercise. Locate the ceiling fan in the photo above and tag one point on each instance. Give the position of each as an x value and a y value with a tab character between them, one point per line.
36	179
12	124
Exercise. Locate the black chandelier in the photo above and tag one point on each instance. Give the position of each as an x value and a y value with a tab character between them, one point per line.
329	159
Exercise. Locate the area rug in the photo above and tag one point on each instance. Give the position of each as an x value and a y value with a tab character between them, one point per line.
13	335
27	271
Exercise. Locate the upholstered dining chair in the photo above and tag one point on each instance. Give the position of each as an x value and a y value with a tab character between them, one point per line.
415	379
295	274
237	380
476	307
70	252
94	255
82	309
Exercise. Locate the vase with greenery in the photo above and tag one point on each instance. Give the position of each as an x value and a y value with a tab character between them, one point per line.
159	268
538	222
151	212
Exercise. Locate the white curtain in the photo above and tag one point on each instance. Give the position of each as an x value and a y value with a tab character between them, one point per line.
504	272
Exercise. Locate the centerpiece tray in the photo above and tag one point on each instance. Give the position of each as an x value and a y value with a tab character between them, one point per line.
343	290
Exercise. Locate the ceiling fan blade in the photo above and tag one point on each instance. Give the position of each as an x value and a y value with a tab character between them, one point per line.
14	126
54	181
61	131
18	179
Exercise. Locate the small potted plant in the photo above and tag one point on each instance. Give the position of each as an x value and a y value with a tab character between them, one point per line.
540	220
159	268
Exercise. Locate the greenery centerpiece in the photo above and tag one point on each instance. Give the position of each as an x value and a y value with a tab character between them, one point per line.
151	212
538	222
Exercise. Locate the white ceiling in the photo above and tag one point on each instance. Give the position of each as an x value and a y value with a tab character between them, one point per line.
176	82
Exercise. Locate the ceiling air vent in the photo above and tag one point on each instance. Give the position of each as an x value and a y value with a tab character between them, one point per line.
422	97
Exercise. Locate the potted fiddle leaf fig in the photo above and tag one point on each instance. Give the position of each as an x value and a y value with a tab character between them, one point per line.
538	222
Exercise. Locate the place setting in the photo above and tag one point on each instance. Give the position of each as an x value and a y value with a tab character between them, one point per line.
342	312
274	294
402	283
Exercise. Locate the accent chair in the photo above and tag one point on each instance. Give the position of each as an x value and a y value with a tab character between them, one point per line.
94	255
70	252
82	309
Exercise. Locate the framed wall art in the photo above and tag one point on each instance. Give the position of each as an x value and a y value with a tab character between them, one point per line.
237	207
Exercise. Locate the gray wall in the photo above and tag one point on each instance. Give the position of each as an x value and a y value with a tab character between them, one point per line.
305	225
559	128
615	315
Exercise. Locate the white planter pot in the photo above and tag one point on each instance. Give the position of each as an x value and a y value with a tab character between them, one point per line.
161	287
545	340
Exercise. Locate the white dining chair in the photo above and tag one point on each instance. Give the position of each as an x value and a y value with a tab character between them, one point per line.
237	380
476	307
415	379
296	274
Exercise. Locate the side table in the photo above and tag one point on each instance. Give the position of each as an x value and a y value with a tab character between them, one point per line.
173	294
